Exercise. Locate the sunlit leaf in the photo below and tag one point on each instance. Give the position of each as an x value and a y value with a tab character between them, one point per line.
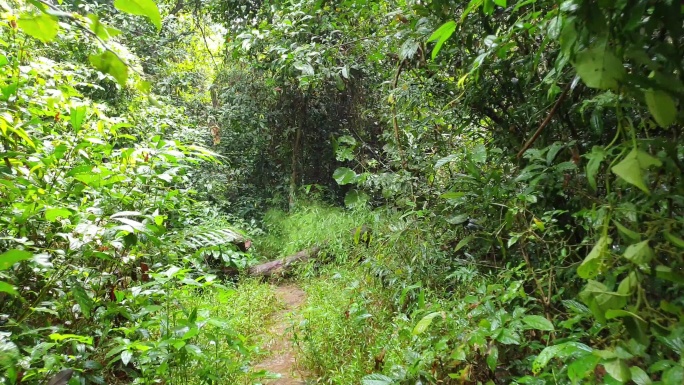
9	258
441	35
141	8
54	214
7	288
632	168
109	63
423	324
43	27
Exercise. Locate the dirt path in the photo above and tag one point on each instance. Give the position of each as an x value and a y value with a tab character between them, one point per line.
282	360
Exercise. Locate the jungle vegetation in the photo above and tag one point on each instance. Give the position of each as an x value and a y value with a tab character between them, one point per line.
495	187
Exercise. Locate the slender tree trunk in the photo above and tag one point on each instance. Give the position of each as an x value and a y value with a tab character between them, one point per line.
293	177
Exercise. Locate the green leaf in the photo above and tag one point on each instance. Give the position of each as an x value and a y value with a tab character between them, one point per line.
632	167
447	159
102	31
640	253
126	357
492	357
141	8
562	351
674	240
538	322
452	195
9	258
344	176
355	198
54	213
43	27
377	379
107	62
441	35
508	337
630	235
463	242
77	116
500	3
599	299
595	158
666	272
619	370
591	264
639	376
582	368
479	154
599	68
7	288
629	284
82	299
661	106
673	376
423	324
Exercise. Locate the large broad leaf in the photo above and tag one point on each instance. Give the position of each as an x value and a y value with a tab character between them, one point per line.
661	106
538	322
107	62
618	369
43	27
344	175
639	376
82	299
53	214
61	378
640	253
599	68
441	35
102	31
9	258
142	8
377	379
676	241
592	263
582	367
562	351
632	168
7	288
355	198
599	299
423	324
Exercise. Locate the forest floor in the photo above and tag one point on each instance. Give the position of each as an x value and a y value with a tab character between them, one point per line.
283	359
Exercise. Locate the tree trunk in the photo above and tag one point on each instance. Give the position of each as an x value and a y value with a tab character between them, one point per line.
293	177
281	266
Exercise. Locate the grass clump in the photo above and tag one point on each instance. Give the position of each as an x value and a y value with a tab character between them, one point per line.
311	225
234	322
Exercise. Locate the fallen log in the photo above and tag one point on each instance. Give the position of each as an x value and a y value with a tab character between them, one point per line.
281	266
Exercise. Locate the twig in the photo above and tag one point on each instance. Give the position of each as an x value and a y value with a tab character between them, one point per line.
546	121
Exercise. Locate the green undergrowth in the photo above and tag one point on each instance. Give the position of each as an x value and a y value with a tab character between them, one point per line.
398	311
233	323
311	225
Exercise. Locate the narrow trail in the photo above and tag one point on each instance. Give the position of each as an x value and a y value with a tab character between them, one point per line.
283	360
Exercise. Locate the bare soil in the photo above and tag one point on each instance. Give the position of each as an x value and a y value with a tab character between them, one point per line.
283	359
